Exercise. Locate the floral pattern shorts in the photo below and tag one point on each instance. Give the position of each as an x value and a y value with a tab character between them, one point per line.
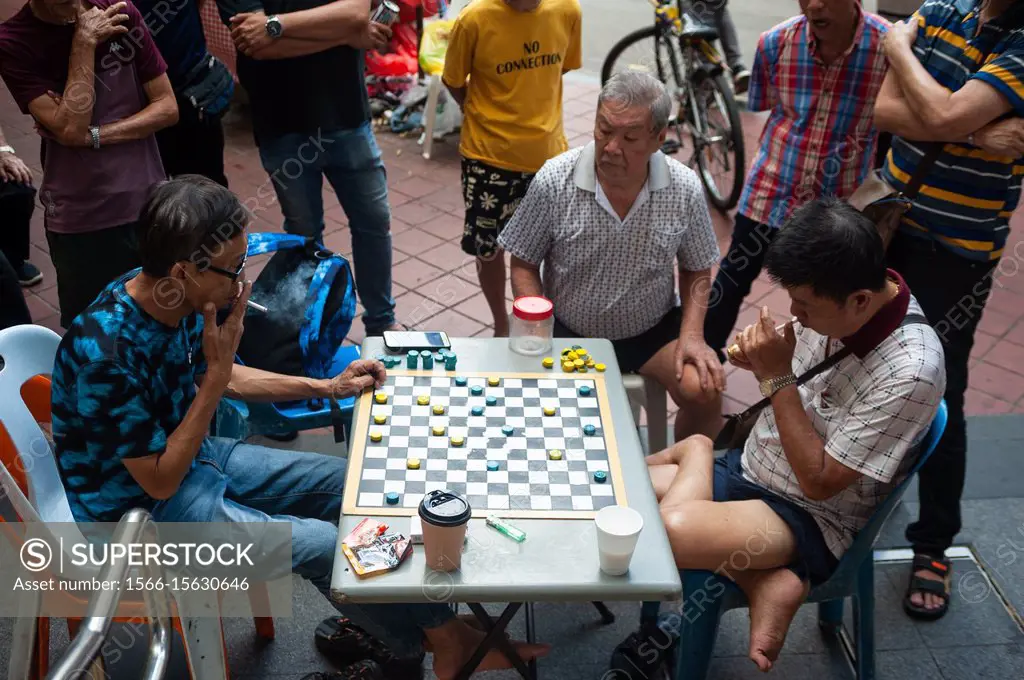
492	196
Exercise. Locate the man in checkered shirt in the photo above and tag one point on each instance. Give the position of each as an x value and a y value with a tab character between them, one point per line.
776	515
817	75
608	222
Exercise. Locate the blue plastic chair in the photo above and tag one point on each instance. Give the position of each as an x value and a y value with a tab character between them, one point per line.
854	577
238	419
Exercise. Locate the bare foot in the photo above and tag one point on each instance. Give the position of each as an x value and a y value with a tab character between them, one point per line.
454	642
927	600
775	596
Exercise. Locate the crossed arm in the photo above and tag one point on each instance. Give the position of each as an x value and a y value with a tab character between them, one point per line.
913	105
342	22
67	117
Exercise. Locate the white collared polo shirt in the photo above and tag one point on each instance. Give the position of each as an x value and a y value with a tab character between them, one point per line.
609	277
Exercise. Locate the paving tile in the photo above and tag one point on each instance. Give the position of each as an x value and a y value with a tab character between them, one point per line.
1006	301
49	295
51	322
414	241
448	256
448	290
743	387
996	323
414	272
454	324
412	309
983	342
997	382
417	187
444	226
38	308
1008	355
476	308
415	213
339	241
980	404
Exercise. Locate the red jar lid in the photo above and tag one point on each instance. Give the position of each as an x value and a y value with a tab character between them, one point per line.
533	308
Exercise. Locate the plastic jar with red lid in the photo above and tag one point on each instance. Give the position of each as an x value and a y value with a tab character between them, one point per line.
532	325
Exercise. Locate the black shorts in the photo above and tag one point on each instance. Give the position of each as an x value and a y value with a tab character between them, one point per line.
492	196
633	353
814	561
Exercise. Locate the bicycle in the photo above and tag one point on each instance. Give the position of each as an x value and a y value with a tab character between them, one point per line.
703	99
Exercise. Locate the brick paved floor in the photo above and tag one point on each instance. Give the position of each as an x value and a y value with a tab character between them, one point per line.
435	283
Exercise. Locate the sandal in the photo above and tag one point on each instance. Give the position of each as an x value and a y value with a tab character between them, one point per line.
940	566
345	643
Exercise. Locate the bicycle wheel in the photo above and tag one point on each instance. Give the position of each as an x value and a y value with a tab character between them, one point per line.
718	147
654	51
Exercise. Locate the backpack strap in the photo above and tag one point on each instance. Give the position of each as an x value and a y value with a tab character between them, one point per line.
337	327
316	300
260	243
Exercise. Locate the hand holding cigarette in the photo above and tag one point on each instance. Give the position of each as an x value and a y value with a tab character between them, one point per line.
770	347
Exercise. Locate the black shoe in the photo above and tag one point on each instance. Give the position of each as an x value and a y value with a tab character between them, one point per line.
289	436
28	275
361	670
344	643
646	654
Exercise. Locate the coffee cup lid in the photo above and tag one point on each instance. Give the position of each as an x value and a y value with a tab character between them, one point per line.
445	509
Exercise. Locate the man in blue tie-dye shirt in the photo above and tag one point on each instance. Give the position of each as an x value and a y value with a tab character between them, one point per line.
130	425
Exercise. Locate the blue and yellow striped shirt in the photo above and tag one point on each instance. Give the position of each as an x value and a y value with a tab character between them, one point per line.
969	195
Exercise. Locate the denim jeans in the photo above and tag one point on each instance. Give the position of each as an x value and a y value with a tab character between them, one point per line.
351	161
236	482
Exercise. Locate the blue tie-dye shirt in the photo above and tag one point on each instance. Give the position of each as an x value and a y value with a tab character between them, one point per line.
122	383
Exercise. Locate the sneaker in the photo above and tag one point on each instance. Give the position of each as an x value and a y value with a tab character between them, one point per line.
361	670
344	643
741	80
28	274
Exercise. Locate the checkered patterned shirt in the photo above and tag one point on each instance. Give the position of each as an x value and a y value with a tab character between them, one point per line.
820	138
608	277
870	412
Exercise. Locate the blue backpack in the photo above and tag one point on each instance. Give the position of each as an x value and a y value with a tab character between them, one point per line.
310	298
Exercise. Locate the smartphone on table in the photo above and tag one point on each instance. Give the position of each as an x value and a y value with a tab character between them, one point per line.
404	341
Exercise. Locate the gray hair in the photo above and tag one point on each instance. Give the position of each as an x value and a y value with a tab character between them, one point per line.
636	88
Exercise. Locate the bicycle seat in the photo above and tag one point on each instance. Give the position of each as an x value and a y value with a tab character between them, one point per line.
694	29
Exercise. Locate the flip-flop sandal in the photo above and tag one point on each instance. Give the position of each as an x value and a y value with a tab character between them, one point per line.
470	620
940	566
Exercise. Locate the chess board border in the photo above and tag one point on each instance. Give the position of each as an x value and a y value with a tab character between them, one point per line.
360	434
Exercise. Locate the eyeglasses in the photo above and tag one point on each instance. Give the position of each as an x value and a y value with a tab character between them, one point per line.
233	275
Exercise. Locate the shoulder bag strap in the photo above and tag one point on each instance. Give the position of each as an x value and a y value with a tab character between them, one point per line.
828	363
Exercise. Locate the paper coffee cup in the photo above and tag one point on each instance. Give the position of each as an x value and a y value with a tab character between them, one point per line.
618	529
445	518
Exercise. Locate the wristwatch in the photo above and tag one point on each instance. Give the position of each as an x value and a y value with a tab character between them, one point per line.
772	385
7	148
94	132
274	27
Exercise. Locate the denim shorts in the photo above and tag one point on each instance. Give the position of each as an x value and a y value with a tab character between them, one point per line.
814	561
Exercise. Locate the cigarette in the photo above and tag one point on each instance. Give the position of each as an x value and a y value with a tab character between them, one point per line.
255	305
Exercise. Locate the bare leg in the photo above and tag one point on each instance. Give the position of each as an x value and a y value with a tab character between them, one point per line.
455	641
491	272
700	412
775	596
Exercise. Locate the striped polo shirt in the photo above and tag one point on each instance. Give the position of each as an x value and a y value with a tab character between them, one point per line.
969	195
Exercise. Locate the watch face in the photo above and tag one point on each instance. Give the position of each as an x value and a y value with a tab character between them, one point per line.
274	28
766	388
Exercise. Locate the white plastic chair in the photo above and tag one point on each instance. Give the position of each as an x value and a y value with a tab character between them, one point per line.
28	351
649	395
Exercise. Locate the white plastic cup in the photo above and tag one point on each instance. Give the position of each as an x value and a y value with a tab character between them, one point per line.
618	529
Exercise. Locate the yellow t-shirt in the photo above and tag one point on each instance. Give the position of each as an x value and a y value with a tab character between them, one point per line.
514	63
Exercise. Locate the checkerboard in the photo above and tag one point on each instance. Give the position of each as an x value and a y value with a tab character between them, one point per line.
527	482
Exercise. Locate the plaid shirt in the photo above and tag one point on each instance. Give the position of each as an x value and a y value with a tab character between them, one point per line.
820	138
869	410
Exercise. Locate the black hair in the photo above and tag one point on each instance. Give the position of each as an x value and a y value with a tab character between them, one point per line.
187	218
830	246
